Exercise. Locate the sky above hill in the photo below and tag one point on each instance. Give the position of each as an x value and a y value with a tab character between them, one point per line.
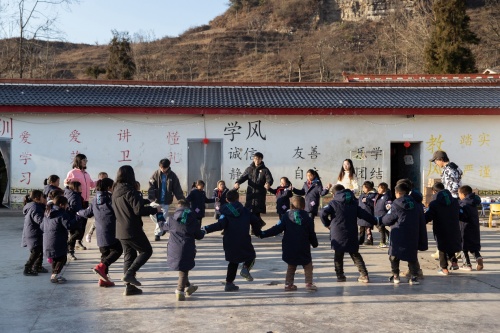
91	21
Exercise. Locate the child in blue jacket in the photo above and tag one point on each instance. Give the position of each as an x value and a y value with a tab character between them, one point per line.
197	199
383	199
469	228
366	202
219	195
34	208
283	195
313	190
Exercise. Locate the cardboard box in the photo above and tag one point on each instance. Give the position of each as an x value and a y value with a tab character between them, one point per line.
427	191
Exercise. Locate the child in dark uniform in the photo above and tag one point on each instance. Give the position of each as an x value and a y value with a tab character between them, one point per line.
236	220
312	190
219	195
34	208
382	199
198	198
366	202
298	238
51	183
469	228
283	195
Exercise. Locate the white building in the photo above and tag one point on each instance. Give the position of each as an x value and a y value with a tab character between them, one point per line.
387	126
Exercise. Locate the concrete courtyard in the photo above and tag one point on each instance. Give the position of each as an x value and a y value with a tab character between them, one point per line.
461	302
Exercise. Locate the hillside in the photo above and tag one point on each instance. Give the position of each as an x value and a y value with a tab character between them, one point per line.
275	41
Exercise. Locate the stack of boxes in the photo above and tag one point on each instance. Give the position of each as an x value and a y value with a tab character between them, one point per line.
428	190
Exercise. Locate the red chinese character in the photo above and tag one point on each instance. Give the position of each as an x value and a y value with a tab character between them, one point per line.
125	154
74	136
175	157
173	138
6	127
124	135
73	154
26	177
24	137
25	157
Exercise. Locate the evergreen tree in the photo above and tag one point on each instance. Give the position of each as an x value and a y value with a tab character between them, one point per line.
447	51
121	65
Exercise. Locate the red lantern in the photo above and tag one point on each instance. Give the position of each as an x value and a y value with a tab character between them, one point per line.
205	141
407	144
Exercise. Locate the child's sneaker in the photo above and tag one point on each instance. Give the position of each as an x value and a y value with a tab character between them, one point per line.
190	290
395	279
311	287
28	271
179	295
479	264
100	270
72	256
131	290
231	287
466	267
414	280
57	279
363	279
382	245
105	284
290	287
443	271
246	273
435	255
88	238
341	278
454	266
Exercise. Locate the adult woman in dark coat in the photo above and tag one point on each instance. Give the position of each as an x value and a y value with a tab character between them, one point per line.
128	206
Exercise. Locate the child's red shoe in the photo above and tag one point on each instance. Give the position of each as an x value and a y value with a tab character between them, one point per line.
105	284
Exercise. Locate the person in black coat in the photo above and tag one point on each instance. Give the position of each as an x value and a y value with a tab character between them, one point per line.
283	194
408	233
312	189
50	184
444	213
340	216
55	226
72	192
129	208
298	238
197	199
236	221
469	227
34	208
184	229
219	195
367	203
382	199
257	175
105	229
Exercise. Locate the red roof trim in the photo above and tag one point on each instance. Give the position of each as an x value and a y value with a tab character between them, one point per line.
247	111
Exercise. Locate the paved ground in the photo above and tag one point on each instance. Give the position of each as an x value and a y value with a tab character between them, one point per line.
461	302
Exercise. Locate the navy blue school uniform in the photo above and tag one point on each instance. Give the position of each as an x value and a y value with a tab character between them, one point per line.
444	213
367	206
408	231
105	220
236	221
469	223
184	229
283	195
341	216
298	236
221	196
312	192
49	188
75	201
381	201
33	218
55	228
197	199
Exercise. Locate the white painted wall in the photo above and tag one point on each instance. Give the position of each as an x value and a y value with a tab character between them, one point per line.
43	145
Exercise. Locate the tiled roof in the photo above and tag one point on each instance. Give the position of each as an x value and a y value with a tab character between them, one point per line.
255	97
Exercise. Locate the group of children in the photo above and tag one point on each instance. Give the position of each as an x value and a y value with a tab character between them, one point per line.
50	228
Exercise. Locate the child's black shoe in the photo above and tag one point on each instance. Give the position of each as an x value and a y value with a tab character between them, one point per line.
231	287
28	271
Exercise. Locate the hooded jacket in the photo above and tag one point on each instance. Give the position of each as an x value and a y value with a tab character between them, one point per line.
33	218
368	206
312	194
105	219
55	228
381	200
221	195
236	221
184	228
469	223
197	199
340	216
129	208
298	236
444	213
408	230
257	177
283	195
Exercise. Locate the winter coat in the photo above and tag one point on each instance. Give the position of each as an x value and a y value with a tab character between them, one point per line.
408	230
283	195
33	218
173	188
55	228
236	221
298	236
381	200
367	206
221	195
84	178
257	177
105	219
75	204
184	228
312	194
129	207
49	188
452	178
469	223
444	213
340	215
197	199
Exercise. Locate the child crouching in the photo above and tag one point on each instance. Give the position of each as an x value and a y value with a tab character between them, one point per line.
298	237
